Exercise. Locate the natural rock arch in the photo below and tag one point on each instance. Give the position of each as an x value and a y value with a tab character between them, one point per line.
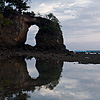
49	36
33	30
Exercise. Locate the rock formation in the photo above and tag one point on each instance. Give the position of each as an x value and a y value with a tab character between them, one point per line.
14	34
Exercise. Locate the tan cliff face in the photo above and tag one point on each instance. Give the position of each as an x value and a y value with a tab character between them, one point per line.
48	37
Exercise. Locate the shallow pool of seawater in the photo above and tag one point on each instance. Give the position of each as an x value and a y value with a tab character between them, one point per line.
38	79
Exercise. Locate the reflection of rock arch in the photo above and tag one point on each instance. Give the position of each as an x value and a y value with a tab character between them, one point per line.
14	76
48	37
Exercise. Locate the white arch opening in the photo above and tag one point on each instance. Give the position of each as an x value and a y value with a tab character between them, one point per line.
33	30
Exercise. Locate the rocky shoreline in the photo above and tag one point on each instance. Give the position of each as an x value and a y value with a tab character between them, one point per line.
49	40
29	52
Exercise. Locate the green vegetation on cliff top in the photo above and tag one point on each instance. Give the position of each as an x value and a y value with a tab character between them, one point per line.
8	7
18	5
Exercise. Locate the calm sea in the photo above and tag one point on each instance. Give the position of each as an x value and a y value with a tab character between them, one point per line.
38	79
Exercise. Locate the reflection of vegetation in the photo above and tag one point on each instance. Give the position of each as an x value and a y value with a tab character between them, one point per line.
5	82
17	78
20	96
50	71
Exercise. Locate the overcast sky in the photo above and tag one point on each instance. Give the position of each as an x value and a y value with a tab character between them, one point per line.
80	20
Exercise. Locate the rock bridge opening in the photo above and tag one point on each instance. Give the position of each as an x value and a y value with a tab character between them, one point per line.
45	35
33	30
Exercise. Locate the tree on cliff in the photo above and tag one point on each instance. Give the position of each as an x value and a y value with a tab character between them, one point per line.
19	5
51	17
2	5
9	6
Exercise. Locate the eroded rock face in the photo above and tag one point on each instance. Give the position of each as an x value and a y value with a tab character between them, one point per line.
49	36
